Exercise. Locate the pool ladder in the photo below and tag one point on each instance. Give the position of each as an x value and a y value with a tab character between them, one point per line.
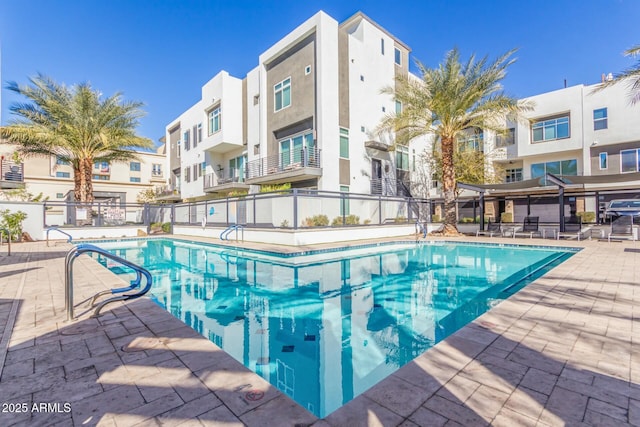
225	233
60	231
68	270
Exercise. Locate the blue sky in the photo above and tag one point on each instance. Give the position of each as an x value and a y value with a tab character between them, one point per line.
161	52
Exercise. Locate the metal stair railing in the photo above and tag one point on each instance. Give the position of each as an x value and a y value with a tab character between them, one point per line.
57	229
84	248
225	233
8	234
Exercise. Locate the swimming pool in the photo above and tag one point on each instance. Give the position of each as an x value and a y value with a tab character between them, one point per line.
325	326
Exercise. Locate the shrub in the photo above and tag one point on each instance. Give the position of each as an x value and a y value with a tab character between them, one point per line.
284	223
400	219
12	222
367	221
348	220
275	187
587	216
436	218
467	220
506	217
316	221
166	227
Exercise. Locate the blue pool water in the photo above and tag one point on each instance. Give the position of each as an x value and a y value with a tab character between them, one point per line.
325	326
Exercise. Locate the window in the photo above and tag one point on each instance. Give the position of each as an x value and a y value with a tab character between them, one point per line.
178	149
564	167
398	107
600	119
59	196
413	160
203	168
196	170
236	168
134	179
101	166
59	161
402	157
344	143
513	175
185	138
63	175
344	203
398	56
471	140
603	161
282	94
156	169
199	133
629	161
382	46
194	132
292	150
506	140
101	177
215	117
550	129
134	166
187	174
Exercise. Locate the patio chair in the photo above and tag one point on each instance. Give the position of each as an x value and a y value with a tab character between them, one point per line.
529	227
573	228
493	228
622	228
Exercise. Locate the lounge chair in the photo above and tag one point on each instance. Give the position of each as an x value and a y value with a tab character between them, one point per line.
493	228
529	228
574	229
622	228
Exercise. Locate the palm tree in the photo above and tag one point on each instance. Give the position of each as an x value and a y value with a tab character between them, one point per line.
446	102
630	75
76	125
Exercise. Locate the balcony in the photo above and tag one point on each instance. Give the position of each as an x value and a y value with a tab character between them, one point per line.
168	193
296	165
391	187
11	174
225	181
157	175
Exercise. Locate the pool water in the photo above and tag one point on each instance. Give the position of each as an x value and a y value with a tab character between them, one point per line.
325	326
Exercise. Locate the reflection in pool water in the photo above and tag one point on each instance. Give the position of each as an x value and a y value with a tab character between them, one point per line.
325	327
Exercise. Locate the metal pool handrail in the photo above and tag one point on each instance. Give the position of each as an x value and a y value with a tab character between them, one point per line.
84	248
225	233
57	229
8	240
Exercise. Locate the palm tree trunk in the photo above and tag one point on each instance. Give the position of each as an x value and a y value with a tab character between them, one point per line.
449	188
87	184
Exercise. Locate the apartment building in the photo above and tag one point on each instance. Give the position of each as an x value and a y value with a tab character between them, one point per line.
118	182
304	115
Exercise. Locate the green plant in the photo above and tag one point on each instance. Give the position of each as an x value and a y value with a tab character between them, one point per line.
400	218
284	223
237	193
316	221
366	221
348	220
467	220
12	222
275	187
587	216
436	218
166	227
506	217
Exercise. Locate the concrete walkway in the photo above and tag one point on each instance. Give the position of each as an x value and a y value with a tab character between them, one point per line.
559	352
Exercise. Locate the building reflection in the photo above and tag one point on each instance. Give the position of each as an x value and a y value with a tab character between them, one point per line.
324	328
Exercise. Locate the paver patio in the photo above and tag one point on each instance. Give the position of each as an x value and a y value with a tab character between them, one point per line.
563	351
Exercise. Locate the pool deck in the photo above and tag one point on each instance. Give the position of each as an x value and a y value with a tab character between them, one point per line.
559	352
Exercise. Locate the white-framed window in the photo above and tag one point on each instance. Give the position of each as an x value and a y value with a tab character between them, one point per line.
199	132
103	167
186	139
134	166
600	120
398	107
550	129
282	94
63	174
603	160
513	175
236	168
215	120
156	169
134	179
629	160
344	143
471	140
292	149
397	56
402	157
562	167
344	204
203	168
506	140
187	174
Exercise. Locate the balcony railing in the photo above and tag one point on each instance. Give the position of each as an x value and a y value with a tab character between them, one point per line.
11	173
167	191
390	187
284	162
223	177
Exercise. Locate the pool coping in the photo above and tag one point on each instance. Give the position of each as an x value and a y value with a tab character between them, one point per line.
425	390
